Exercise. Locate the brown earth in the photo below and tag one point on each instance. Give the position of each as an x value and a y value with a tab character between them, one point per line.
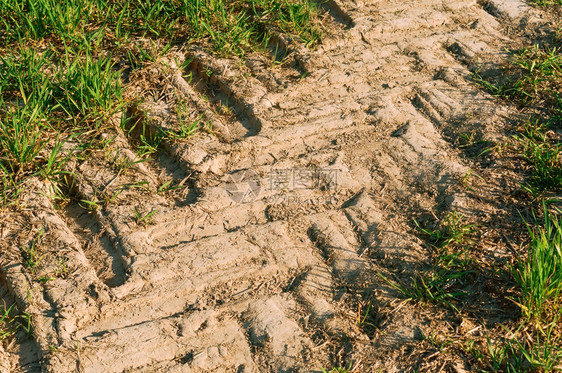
338	148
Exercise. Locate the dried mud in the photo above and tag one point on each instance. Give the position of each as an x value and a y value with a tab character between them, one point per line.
215	280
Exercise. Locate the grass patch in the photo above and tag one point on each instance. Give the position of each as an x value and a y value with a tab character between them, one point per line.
63	67
46	101
536	343
546	2
539	275
7	327
232	27
441	285
452	230
11	321
444	283
338	369
543	156
533	79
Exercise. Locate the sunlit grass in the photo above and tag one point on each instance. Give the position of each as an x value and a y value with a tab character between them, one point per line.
533	79
539	275
62	63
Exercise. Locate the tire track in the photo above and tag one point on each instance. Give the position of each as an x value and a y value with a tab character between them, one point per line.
283	282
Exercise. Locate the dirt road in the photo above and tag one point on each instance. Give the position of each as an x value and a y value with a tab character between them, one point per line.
285	216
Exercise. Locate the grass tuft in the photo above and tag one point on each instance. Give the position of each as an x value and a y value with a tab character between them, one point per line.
539	275
451	230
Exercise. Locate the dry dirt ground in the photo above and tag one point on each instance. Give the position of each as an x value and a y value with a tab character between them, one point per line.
286	212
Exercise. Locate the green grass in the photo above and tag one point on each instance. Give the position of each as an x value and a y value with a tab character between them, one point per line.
338	369
44	102
232	27
544	157
437	287
532	343
11	321
515	351
31	256
451	230
187	128
62	65
440	285
437	341
537	77
533	79
536	344
7	328
149	139
546	2
143	218
539	275
443	283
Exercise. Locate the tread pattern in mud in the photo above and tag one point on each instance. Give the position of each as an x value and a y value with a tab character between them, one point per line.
209	284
